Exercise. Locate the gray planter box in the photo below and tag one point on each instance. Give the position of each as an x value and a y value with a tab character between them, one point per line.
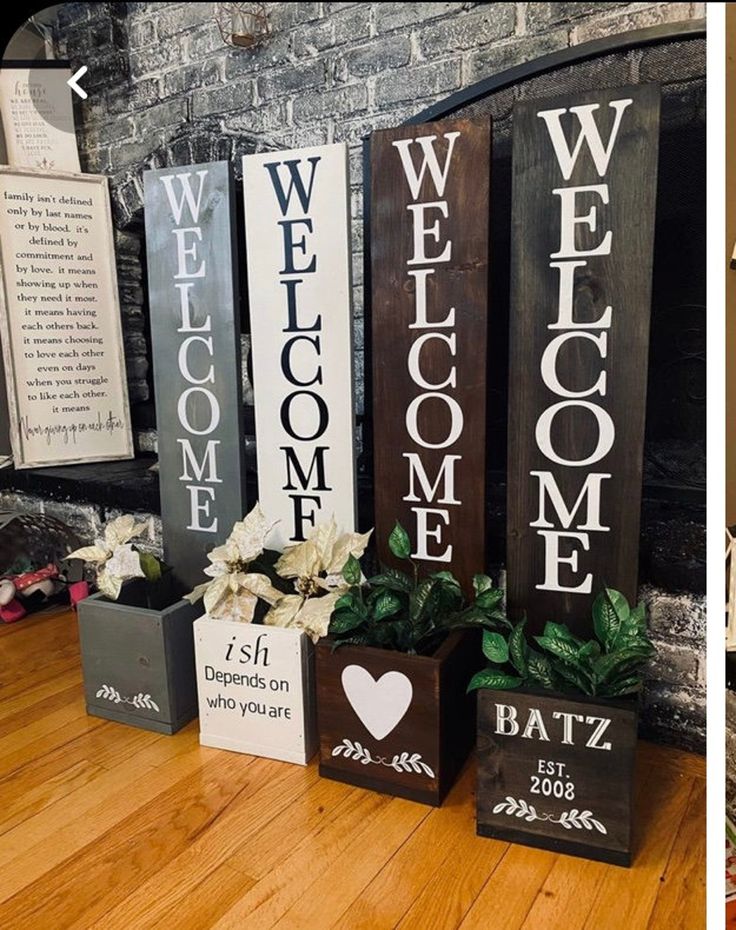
138	662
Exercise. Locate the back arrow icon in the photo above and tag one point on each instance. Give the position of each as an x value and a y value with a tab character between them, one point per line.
72	82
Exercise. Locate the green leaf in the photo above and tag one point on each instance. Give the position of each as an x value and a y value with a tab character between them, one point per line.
351	571
495	647
489	678
351	601
344	621
398	542
519	649
561	648
420	598
386	605
447	578
614	662
540	670
392	579
561	633
150	566
489	599
481	583
610	610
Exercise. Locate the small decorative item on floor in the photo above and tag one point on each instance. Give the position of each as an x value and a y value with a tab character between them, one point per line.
136	635
557	729
34	571
255	653
392	708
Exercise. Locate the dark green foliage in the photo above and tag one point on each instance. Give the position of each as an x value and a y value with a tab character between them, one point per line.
608	666
406	611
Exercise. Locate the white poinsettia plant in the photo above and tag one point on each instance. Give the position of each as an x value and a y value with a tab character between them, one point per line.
115	558
315	567
234	590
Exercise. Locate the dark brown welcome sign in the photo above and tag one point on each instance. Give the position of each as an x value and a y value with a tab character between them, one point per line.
583	200
429	274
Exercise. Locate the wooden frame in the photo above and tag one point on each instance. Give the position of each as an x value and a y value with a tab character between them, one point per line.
113	302
730	590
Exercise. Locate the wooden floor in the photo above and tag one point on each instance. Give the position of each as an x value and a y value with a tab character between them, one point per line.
105	826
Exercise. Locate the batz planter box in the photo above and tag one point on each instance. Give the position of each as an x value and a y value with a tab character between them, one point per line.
256	689
138	661
397	723
557	772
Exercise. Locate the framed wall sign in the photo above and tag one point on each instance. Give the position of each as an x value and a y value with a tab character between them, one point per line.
299	288
37	117
195	336
60	320
429	282
583	202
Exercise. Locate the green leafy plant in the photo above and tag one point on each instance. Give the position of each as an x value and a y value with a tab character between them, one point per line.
610	665
405	610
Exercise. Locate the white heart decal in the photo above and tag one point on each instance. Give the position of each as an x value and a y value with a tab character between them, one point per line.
381	704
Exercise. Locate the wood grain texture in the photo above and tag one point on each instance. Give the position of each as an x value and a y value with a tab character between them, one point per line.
112	827
620	280
460	283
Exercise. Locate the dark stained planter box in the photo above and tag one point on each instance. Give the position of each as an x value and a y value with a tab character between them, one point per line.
138	658
564	782
397	723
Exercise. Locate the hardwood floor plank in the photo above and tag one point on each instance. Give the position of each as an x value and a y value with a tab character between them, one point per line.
509	893
680	900
626	897
272	787
108	827
289	882
80	890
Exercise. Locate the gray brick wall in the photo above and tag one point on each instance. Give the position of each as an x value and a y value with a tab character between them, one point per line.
164	89
329	72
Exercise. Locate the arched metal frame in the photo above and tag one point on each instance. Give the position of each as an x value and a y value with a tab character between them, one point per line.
621	43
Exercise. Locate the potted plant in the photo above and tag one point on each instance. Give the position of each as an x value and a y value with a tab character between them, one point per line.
557	725
255	643
392	710
135	635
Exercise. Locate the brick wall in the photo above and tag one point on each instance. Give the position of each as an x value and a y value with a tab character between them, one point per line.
164	89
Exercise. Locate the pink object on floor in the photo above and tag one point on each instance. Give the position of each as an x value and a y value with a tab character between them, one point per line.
77	592
12	612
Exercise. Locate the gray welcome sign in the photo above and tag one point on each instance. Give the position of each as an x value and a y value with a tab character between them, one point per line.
193	296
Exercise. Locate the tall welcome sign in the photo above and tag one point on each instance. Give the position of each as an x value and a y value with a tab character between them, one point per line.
195	332
583	201
429	276
299	287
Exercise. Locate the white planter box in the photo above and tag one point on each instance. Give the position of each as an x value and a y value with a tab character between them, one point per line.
256	689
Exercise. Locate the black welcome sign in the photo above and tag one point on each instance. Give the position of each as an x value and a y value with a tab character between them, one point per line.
190	239
583	200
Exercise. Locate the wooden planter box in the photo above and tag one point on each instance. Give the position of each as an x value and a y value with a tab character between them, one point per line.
563	783
256	689
138	661
397	723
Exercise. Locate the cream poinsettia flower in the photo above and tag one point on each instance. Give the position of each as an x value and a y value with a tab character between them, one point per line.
316	566
115	559
234	591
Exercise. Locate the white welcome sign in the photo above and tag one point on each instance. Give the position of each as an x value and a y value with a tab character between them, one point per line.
298	246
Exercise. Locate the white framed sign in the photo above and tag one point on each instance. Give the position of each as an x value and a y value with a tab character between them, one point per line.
60	324
38	119
299	284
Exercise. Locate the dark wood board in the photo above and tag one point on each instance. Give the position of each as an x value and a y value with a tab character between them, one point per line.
600	779
460	283
213	302
437	728
621	280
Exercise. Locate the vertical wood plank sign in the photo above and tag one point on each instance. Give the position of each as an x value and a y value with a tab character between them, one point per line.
299	291
195	331
583	201
429	275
